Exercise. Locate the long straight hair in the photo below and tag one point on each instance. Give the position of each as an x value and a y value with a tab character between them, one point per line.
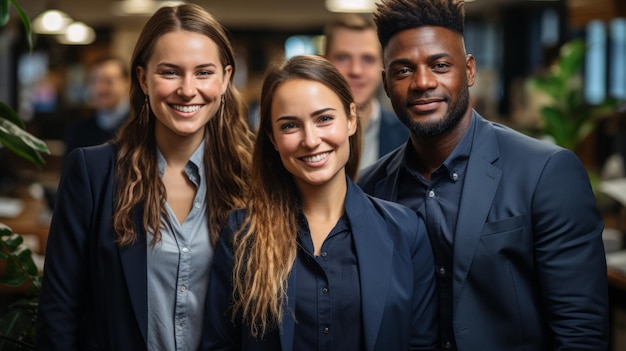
228	139
265	246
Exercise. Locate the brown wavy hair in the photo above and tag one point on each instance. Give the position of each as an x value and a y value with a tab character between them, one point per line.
265	246
228	139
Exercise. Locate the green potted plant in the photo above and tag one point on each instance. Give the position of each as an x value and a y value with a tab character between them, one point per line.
17	330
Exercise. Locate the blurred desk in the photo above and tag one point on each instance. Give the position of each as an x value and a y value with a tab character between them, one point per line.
33	220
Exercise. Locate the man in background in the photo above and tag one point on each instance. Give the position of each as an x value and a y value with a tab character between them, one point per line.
352	46
108	89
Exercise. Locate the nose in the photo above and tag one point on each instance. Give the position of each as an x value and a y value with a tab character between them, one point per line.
423	79
355	67
187	88
311	138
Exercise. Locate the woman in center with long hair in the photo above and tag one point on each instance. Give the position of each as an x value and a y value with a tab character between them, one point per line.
313	263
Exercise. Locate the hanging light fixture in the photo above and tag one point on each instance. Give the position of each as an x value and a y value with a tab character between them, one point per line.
351	5
77	33
51	22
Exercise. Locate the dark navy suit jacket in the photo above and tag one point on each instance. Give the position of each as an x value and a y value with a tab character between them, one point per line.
94	293
396	271
392	132
529	269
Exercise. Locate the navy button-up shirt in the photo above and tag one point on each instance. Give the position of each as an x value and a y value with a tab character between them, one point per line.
328	308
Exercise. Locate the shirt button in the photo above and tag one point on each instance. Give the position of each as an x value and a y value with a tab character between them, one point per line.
324	290
442	270
455	176
326	330
183	288
431	193
447	345
197	205
185	250
324	254
180	327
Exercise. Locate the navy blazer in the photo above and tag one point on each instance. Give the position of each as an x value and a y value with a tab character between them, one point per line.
396	271
529	269
94	293
392	132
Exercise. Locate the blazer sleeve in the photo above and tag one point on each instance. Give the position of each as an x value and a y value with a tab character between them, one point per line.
425	324
221	332
65	278
569	255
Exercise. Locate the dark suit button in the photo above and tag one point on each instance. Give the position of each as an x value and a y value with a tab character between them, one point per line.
442	270
324	290
447	345
326	330
324	254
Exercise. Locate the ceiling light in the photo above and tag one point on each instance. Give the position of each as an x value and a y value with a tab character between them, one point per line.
51	22
351	5
77	33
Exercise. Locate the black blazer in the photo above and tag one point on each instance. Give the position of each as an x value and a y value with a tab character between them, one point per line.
396	271
94	293
529	269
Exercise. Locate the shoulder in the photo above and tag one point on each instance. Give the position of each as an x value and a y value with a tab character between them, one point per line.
96	157
381	168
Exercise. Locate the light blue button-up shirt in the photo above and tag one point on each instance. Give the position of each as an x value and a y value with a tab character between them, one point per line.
178	269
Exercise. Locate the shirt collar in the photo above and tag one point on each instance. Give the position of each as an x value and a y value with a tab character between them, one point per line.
194	168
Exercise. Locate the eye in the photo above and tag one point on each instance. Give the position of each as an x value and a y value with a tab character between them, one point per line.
325	118
168	73
402	71
204	73
287	126
440	67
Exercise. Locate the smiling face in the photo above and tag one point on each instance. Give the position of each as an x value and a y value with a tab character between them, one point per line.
427	76
184	80
357	55
310	130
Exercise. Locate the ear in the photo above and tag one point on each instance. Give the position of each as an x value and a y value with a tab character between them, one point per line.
228	71
470	66
270	136
141	77
352	120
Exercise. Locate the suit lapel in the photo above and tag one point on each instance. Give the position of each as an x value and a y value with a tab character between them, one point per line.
479	189
368	230
134	261
387	187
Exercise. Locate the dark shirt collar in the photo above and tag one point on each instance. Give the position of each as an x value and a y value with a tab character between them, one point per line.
454	162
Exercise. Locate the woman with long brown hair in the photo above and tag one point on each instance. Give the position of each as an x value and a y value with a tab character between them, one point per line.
132	236
313	263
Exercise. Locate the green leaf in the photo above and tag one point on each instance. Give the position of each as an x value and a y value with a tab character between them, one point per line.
25	22
8	113
21	142
25	257
4	12
13	242
571	58
5	230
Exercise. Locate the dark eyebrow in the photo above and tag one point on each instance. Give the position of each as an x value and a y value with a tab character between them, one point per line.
315	113
407	62
171	65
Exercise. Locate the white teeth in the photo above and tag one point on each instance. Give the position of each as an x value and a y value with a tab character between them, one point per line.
316	158
186	109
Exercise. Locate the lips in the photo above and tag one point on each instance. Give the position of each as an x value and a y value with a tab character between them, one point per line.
425	105
186	108
315	158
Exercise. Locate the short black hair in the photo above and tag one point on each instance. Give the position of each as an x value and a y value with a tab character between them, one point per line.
392	16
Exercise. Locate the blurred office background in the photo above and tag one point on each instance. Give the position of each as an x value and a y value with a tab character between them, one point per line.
512	40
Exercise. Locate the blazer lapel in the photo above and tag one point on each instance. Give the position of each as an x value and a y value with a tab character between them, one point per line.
480	186
289	311
134	261
369	240
387	188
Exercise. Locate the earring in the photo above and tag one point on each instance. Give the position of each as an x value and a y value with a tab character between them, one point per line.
222	103
144	116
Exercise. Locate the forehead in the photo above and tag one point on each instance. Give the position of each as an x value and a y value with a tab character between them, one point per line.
185	46
425	40
344	39
301	96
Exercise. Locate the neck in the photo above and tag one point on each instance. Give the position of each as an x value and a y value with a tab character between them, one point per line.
365	112
177	149
326	202
432	151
